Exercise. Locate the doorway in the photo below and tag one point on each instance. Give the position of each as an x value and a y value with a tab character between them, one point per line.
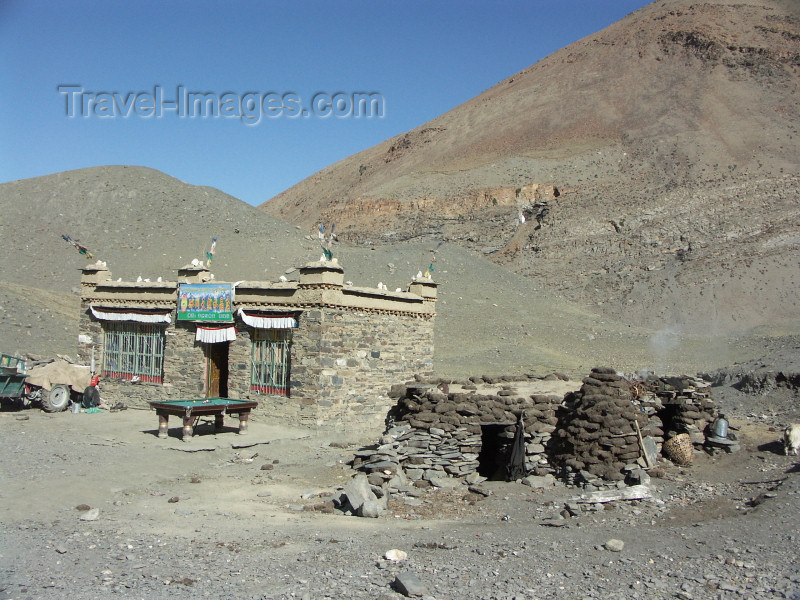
217	370
495	452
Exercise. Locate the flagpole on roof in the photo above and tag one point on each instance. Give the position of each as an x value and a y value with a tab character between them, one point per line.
78	246
210	253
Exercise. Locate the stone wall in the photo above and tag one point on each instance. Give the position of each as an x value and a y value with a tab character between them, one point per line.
345	361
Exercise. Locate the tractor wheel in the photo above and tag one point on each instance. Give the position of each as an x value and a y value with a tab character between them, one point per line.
57	399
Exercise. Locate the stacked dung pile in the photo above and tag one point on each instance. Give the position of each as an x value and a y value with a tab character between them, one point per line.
597	437
434	432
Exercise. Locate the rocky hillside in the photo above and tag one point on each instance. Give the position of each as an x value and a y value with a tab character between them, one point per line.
649	171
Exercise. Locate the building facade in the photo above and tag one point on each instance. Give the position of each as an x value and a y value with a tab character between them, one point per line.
314	351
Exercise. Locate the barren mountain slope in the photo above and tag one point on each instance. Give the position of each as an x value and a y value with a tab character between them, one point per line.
679	91
655	164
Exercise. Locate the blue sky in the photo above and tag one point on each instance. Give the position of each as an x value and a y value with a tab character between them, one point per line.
87	83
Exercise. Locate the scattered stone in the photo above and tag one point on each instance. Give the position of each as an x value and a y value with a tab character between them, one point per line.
480	491
83	507
409	584
371	509
361	498
173	500
539	482
614	545
90	515
473	478
635	492
637	477
410	501
444	482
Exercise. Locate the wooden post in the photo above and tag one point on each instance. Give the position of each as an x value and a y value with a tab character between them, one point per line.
642	449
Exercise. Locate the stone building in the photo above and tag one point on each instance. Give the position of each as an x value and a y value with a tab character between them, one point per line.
313	351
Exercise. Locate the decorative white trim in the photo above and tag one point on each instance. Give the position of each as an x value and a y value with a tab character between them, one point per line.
140	317
214	335
268	322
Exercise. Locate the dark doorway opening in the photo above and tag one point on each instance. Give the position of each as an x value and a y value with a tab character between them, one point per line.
495	452
217	370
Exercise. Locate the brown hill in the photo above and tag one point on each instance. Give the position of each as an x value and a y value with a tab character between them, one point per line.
655	164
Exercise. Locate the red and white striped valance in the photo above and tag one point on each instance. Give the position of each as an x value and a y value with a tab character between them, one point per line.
141	316
268	322
214	335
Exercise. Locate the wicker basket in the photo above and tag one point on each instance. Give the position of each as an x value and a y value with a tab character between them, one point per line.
679	449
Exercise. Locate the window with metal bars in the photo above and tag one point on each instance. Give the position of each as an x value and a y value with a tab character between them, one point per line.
133	349
270	361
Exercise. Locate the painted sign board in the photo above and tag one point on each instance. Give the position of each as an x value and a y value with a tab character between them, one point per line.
205	302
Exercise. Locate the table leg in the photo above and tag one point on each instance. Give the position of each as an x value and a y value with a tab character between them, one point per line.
187	428
243	417
219	421
163	425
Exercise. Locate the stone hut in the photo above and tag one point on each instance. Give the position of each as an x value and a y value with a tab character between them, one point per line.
441	432
449	430
312	351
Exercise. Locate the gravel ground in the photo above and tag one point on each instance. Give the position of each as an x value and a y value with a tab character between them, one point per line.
212	519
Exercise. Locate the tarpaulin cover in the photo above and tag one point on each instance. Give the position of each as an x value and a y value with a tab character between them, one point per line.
59	371
516	462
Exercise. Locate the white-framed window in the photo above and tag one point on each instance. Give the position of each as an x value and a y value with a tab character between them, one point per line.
271	361
132	349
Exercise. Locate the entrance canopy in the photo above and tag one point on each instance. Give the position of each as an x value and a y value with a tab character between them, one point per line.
268	321
214	335
131	314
